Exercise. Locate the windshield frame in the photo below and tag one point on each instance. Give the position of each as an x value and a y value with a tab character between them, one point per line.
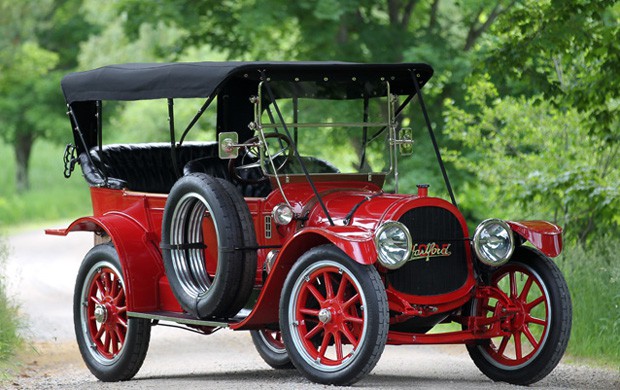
375	177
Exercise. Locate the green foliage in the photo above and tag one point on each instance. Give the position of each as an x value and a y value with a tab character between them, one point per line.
569	50
9	320
537	157
34	55
593	278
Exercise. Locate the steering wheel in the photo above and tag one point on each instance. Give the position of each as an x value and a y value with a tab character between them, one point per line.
249	155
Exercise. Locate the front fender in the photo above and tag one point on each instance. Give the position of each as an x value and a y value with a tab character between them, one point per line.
544	235
356	242
137	251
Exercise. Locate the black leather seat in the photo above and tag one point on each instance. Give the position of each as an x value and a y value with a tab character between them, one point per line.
141	167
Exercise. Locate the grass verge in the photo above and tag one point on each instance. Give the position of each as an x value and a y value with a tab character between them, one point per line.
9	320
593	277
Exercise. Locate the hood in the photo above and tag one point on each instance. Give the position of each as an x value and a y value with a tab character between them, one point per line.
362	205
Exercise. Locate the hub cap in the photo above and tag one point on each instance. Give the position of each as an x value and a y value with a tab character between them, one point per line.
325	316
101	314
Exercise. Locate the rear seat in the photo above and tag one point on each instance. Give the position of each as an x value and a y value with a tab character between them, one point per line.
146	167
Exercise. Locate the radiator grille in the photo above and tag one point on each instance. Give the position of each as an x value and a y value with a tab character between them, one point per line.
442	272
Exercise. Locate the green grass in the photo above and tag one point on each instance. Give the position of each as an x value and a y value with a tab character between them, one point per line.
9	321
593	278
51	196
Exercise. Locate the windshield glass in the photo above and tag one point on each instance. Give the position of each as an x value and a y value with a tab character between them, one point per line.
337	127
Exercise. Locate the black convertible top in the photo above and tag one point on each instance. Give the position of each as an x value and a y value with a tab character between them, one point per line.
140	81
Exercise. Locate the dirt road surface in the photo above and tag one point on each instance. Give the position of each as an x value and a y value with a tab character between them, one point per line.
42	271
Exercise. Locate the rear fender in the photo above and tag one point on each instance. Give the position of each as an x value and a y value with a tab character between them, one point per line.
138	253
545	236
357	243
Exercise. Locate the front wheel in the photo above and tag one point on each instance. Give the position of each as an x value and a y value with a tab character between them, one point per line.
112	345
333	316
540	328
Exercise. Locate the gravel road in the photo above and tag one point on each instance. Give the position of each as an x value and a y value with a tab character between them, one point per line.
42	272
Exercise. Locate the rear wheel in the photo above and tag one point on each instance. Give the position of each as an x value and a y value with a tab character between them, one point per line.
112	345
333	316
540	329
270	347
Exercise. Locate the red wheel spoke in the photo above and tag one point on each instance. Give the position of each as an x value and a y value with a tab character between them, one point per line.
329	289
317	295
513	285
106	343
113	284
489	308
122	322
534	320
120	335
352	339
323	349
342	287
95	299
354	320
518	346
338	346
535	302
119	297
113	342
503	345
351	300
314	331
100	288
99	334
530	337
526	289
121	309
309	312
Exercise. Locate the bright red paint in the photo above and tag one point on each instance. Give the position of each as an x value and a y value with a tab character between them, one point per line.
106	293
544	235
133	222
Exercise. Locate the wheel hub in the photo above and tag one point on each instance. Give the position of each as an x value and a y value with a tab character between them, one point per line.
101	313
325	316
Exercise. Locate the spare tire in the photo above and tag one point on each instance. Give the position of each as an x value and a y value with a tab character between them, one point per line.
248	274
204	279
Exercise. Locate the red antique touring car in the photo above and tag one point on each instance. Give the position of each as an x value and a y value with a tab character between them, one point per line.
291	226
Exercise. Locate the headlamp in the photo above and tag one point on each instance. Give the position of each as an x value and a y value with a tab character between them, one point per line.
282	214
493	242
393	242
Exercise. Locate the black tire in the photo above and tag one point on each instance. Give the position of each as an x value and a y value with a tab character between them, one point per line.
333	321
248	273
183	249
545	317
270	347
111	351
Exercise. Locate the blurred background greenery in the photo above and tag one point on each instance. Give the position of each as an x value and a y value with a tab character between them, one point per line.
524	100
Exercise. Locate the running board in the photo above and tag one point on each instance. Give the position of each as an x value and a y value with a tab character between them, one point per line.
183	318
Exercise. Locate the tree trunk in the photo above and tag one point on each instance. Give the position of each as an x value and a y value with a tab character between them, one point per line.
23	147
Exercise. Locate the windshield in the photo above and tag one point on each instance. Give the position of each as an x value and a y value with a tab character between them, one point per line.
337	127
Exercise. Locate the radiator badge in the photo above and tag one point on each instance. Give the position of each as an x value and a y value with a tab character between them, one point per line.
432	249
